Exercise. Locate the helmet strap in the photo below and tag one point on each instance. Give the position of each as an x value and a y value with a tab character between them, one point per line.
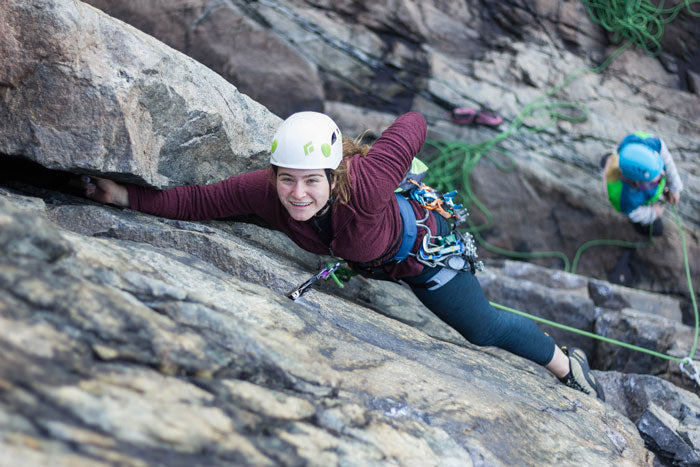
329	176
638	184
329	203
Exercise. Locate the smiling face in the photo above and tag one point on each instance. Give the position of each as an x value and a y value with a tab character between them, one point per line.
303	192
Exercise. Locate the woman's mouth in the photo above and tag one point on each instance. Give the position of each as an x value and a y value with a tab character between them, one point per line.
300	205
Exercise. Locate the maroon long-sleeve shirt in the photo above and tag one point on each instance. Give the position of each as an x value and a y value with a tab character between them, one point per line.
366	229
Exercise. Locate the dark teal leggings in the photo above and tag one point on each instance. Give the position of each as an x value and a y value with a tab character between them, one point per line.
461	304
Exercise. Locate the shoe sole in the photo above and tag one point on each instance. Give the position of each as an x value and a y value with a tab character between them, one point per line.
582	372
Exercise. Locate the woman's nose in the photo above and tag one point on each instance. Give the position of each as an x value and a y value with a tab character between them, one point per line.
298	190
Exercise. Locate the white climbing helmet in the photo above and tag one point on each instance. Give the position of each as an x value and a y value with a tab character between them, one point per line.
307	140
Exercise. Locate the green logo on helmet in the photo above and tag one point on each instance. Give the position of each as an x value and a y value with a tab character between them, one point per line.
308	148
326	149
274	146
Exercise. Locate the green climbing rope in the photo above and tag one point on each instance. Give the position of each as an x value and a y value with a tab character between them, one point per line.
690	282
638	21
608	242
624	344
586	333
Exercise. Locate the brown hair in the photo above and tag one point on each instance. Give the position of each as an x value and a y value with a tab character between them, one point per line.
341	175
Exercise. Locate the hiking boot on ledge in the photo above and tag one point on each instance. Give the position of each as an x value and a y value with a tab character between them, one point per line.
580	376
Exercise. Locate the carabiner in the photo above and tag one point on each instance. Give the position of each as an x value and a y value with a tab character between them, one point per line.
695	375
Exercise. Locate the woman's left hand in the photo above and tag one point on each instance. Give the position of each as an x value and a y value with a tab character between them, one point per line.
672	196
105	191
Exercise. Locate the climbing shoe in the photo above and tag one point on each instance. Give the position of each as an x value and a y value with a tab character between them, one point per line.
580	376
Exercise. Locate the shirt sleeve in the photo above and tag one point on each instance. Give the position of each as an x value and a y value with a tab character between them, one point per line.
377	174
240	195
673	178
643	214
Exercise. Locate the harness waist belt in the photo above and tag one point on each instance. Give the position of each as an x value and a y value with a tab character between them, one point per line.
410	228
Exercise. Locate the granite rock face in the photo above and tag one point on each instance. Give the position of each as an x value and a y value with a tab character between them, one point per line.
81	92
134	340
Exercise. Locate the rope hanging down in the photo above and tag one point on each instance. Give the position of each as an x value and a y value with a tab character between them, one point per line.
683	362
638	23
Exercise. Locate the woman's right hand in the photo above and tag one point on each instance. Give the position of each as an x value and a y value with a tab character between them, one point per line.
672	196
658	210
105	191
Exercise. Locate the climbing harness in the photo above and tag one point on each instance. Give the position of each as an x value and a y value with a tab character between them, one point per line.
455	251
324	273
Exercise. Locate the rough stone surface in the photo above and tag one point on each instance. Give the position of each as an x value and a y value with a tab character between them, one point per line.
135	351
133	340
82	92
656	428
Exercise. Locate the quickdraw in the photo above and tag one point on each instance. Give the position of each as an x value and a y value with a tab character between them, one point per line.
456	250
322	274
695	374
443	204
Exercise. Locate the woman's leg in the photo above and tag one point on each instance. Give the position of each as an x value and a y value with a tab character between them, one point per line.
559	364
461	303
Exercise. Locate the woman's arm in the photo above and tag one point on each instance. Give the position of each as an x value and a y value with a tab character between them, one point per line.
238	195
377	174
646	214
672	176
675	185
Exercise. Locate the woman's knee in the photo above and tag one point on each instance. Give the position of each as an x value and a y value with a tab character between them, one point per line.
486	335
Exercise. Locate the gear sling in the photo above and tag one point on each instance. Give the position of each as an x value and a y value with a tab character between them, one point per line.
453	251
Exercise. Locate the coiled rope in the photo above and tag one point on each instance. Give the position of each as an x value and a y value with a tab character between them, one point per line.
639	22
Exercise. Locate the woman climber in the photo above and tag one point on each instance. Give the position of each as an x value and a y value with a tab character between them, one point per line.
635	178
334	196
